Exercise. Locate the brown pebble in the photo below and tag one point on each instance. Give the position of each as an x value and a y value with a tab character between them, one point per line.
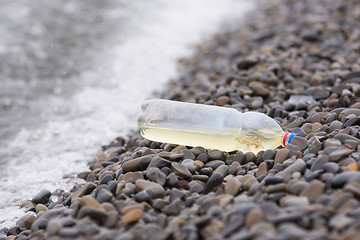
314	190
232	186
41	207
223	100
262	170
130	208
254	216
91	202
132	216
281	156
29	221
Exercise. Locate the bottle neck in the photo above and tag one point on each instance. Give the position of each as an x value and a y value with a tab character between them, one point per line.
287	138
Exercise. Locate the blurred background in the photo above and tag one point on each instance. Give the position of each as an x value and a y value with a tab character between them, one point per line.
74	73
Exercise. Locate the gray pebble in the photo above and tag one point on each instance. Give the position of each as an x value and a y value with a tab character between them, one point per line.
42	197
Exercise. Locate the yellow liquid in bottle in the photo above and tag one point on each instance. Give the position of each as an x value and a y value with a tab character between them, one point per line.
221	141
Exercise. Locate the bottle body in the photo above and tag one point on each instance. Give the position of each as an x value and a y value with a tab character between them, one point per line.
211	127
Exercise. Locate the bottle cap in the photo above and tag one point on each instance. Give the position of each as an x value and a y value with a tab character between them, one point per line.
287	138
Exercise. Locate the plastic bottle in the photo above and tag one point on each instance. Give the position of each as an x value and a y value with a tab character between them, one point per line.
211	127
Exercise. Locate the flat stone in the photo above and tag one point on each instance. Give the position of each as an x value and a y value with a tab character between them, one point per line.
40	207
156	175
202	157
85	190
172	180
339	154
215	180
69	232
298	122
132	216
262	170
247	181
341	179
234	168
195	187
181	170
93	213
335	125
188	154
232	186
53	227
342	137
214	164
29	221
223	170
273	180
174	208
268	154
137	164
104	195
313	191
91	202
189	163
319	163
298	166
314	145
281	156
159	162
42	197
331	167
223	100
260	91
217	155
240	157
291	201
156	188
250	157
254	216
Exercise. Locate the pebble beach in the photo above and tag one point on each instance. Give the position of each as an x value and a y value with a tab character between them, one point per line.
296	61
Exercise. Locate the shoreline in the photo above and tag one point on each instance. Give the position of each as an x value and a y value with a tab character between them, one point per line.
298	63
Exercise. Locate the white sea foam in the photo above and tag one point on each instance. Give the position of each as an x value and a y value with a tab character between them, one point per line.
107	103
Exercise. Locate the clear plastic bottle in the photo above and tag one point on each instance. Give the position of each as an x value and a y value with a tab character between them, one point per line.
211	127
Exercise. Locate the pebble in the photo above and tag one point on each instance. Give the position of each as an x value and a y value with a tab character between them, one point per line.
156	188
217	155
232	186
262	170
247	181
133	164
91	202
53	227
214	164
174	208
172	180
189	163
223	100
254	216
339	154
332	142
181	170
298	166
93	213
313	191
42	197
40	207
156	175
342	178
215	180
282	155
132	215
